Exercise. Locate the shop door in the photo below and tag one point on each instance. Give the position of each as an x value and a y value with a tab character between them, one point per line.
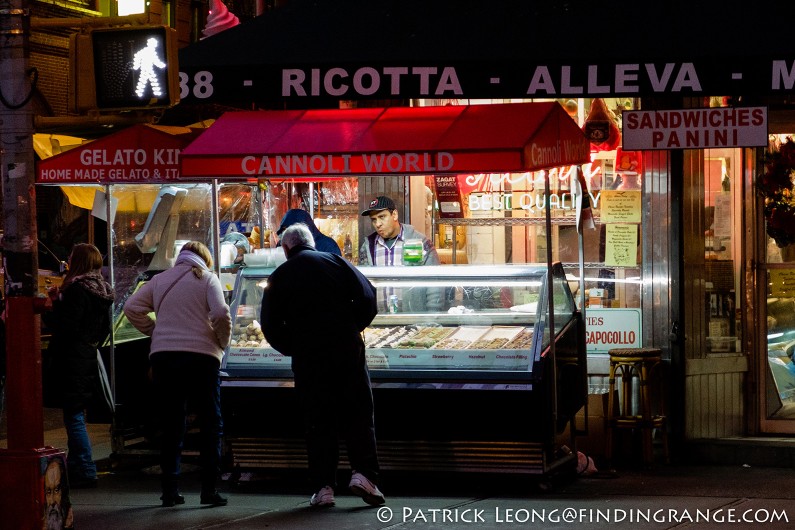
715	355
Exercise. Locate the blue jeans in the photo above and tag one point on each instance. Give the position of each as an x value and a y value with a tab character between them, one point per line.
182	379
79	461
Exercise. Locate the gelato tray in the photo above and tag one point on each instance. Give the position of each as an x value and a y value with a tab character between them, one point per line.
496	338
462	338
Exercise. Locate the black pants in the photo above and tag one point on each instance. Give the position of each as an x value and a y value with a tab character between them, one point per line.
334	392
181	378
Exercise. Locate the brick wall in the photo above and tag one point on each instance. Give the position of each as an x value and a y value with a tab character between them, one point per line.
49	52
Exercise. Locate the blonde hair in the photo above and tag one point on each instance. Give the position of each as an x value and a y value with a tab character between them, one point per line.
201	250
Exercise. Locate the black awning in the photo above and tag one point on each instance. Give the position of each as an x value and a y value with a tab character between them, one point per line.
310	51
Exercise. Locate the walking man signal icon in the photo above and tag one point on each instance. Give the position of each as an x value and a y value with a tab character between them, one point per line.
146	60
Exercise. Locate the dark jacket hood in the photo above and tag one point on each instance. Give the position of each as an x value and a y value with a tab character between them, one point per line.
323	243
298	216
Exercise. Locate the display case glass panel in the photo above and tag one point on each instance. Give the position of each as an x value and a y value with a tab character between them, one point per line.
454	318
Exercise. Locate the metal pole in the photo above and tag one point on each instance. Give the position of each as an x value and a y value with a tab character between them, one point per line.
216	227
552	359
20	257
111	278
22	497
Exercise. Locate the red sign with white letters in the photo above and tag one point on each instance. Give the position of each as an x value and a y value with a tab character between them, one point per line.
138	154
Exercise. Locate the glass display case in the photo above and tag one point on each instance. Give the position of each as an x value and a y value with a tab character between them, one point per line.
435	323
472	369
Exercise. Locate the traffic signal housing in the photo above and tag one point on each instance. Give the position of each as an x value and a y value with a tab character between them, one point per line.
124	68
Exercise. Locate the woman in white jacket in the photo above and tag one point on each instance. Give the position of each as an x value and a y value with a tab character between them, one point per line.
191	330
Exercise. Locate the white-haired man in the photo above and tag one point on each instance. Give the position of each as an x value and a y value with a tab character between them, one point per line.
314	308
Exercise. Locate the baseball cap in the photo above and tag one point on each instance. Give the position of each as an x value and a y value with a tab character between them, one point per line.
378	204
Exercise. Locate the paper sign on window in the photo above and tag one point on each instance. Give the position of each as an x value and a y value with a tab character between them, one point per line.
621	245
620	206
782	283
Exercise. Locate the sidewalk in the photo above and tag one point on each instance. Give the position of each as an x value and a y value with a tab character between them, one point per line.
55	436
667	497
703	497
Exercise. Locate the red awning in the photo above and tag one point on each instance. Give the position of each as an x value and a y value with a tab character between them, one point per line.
396	140
139	154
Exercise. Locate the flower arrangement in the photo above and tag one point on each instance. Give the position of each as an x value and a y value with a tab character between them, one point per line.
778	190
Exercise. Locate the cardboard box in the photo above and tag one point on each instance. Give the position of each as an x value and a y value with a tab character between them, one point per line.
593	443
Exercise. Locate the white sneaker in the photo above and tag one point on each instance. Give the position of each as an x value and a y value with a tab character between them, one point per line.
369	492
323	498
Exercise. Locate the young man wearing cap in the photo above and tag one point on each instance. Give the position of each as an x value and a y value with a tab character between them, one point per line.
384	248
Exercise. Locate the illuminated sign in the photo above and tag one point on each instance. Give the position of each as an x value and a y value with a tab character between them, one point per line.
134	67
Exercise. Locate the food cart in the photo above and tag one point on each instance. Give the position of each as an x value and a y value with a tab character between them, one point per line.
131	178
486	381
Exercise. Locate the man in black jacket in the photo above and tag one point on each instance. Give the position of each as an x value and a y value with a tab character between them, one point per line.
314	309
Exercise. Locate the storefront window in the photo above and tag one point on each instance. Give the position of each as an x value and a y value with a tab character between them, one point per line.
780	313
151	224
332	203
502	220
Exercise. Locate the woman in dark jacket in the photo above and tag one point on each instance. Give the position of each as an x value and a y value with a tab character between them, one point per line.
79	320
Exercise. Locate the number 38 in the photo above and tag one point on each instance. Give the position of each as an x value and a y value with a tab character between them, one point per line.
202	85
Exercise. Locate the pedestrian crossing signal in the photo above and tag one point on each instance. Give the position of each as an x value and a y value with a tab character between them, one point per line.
131	67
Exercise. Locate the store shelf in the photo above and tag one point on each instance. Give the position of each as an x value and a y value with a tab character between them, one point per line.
508	221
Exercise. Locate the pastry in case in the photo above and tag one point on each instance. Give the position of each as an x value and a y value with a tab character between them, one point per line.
496	338
373	335
388	340
463	337
426	337
522	341
247	333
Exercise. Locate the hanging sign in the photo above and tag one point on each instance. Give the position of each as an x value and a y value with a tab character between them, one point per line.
695	128
138	154
449	196
612	328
